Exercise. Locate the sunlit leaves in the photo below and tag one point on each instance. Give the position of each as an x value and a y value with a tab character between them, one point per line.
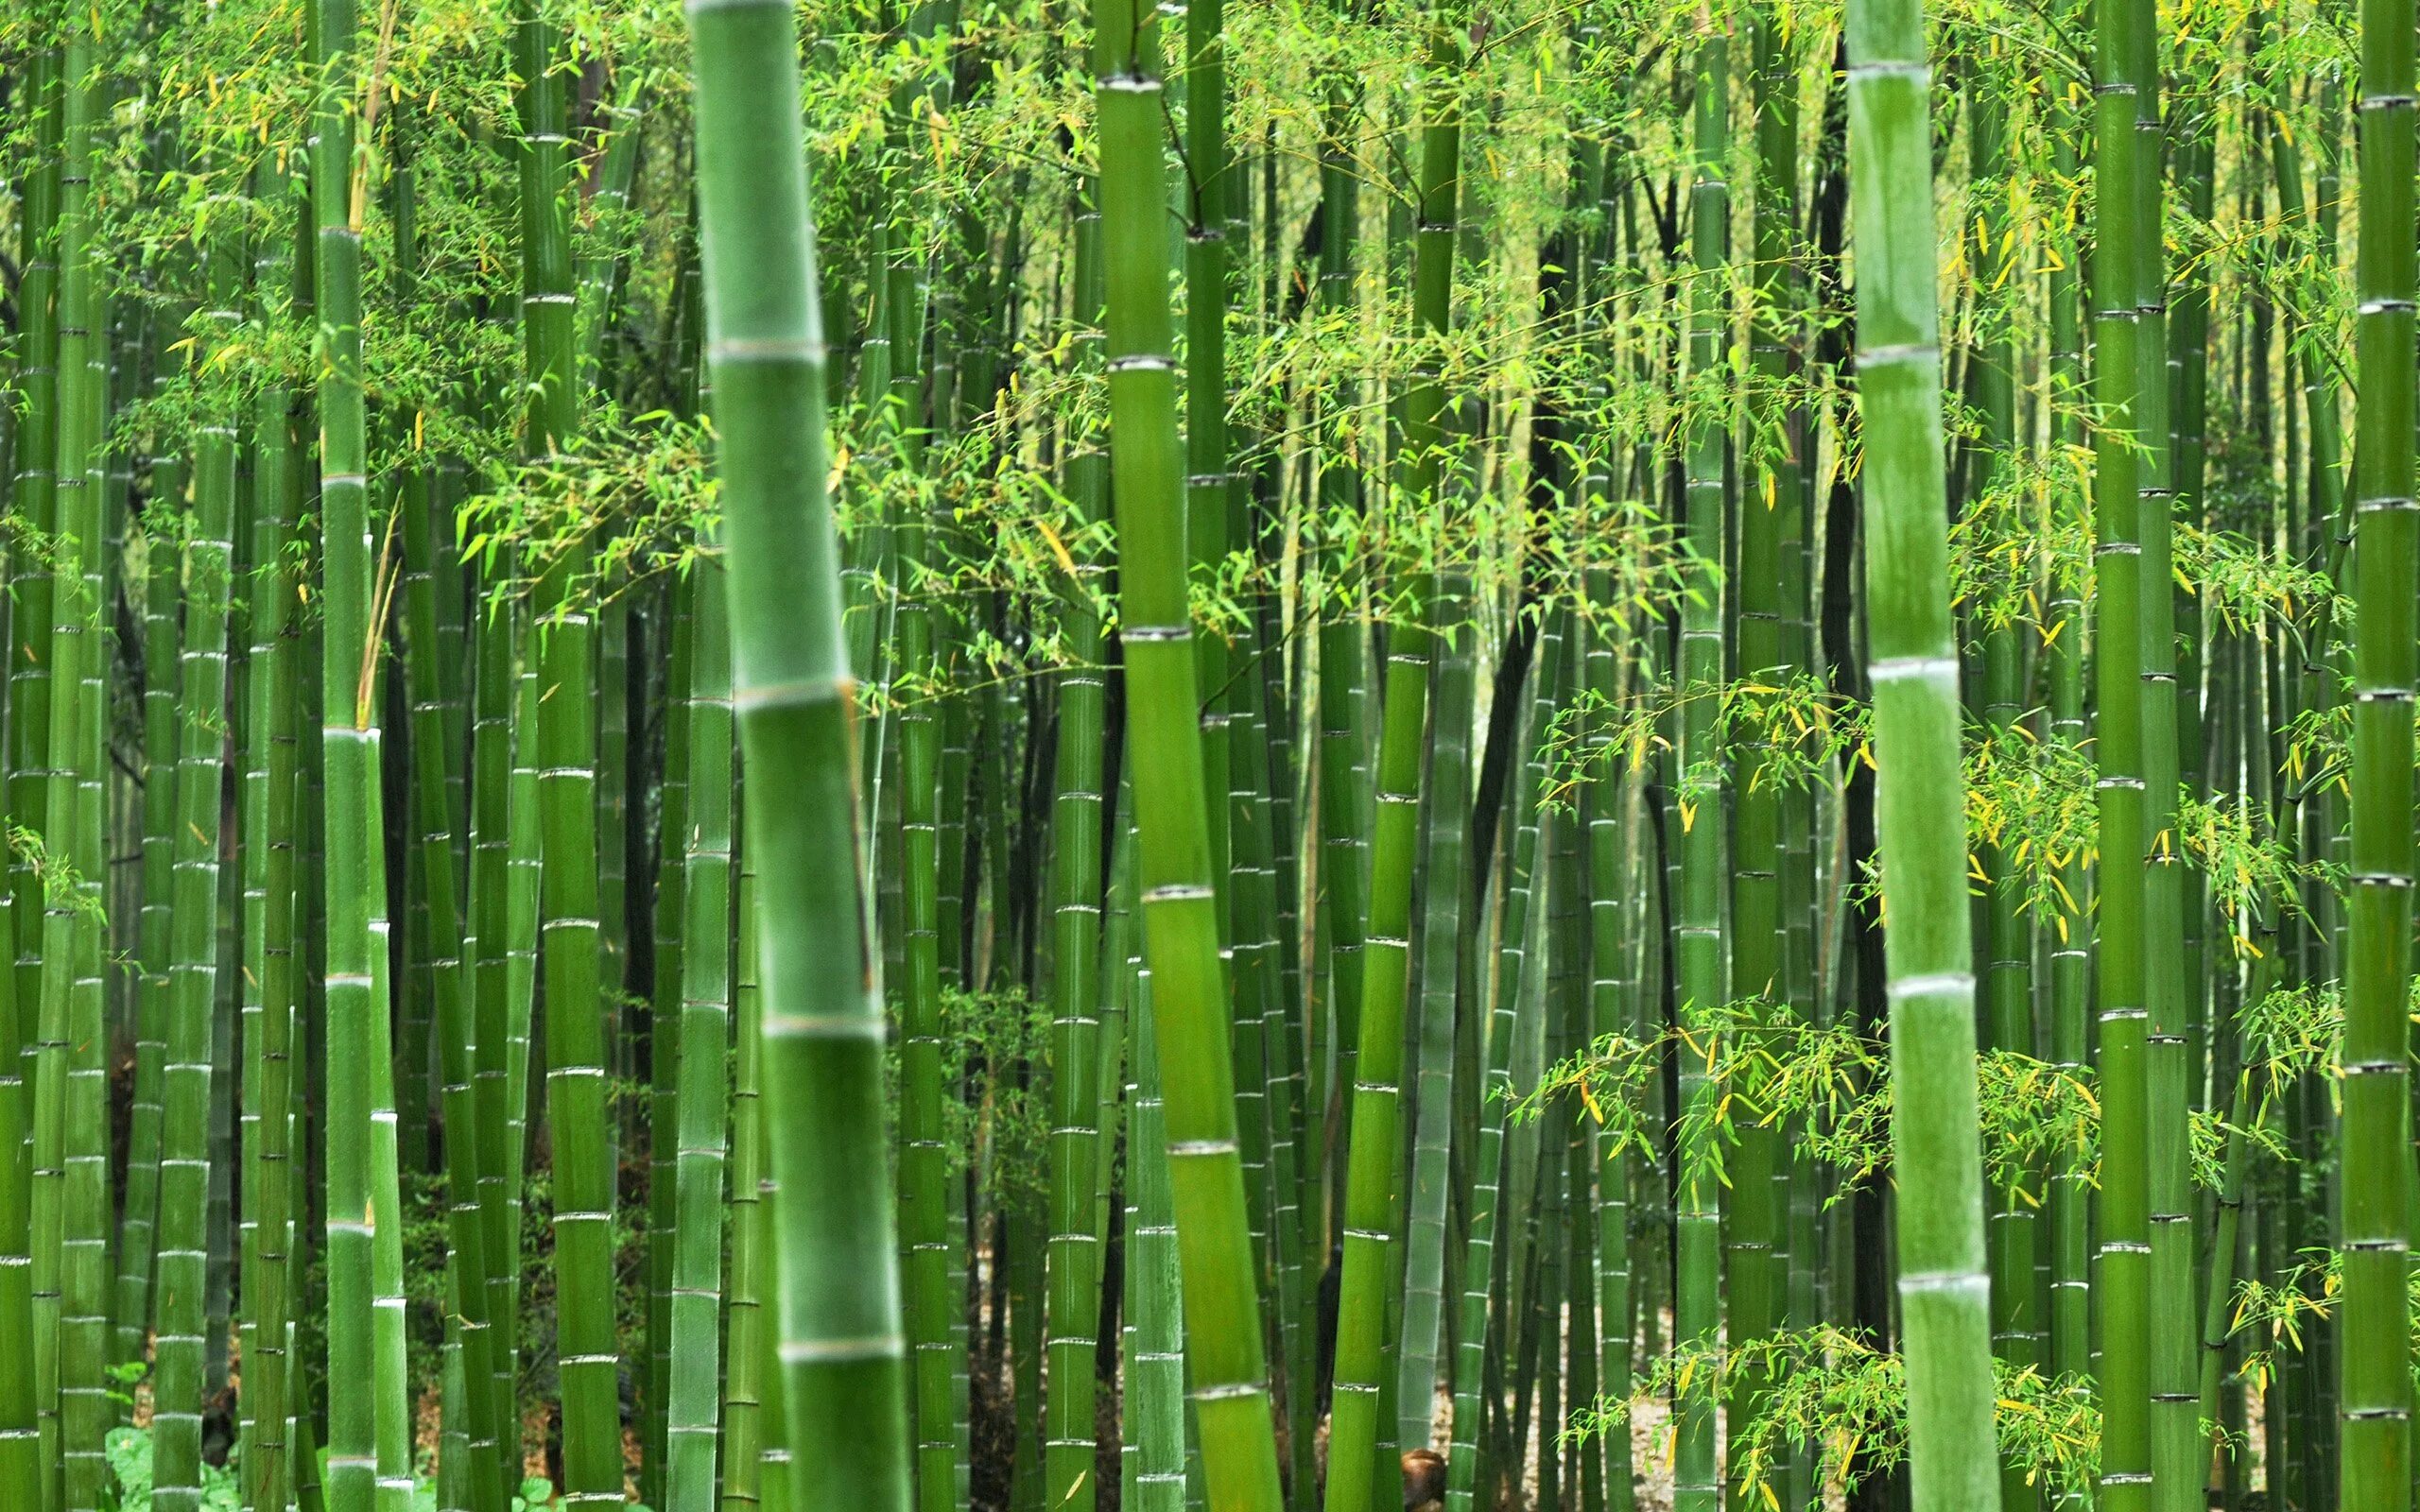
1836	1394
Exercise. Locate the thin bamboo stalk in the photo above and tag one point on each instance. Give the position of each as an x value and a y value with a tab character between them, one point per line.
187	1084
695	1305
745	1334
1358	1476
269	1202
1151	1457
1073	1306
1480	1268
1228	1379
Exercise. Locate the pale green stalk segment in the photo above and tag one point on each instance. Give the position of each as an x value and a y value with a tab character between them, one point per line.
842	1376
1919	809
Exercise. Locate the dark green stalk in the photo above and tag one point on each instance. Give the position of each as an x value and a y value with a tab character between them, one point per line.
430	808
353	865
28	1396
1754	1232
2008	988
138	1233
269	832
746	1339
68	1239
1448	821
185	1164
492	792
2178	1462
1077	1152
1505	992
696	1304
1343	862
1699	950
2070	1181
664	1034
2123	1220
2374	1433
565	732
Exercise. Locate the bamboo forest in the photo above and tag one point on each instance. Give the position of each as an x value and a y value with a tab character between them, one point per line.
1247	755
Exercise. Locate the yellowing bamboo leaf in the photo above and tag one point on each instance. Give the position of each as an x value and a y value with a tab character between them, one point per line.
1058	548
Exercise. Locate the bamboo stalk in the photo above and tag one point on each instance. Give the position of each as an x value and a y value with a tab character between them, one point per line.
1077	1152
2123	1215
2374	1433
1228	1378
696	1302
1699	950
842	1370
1913	664
353	867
